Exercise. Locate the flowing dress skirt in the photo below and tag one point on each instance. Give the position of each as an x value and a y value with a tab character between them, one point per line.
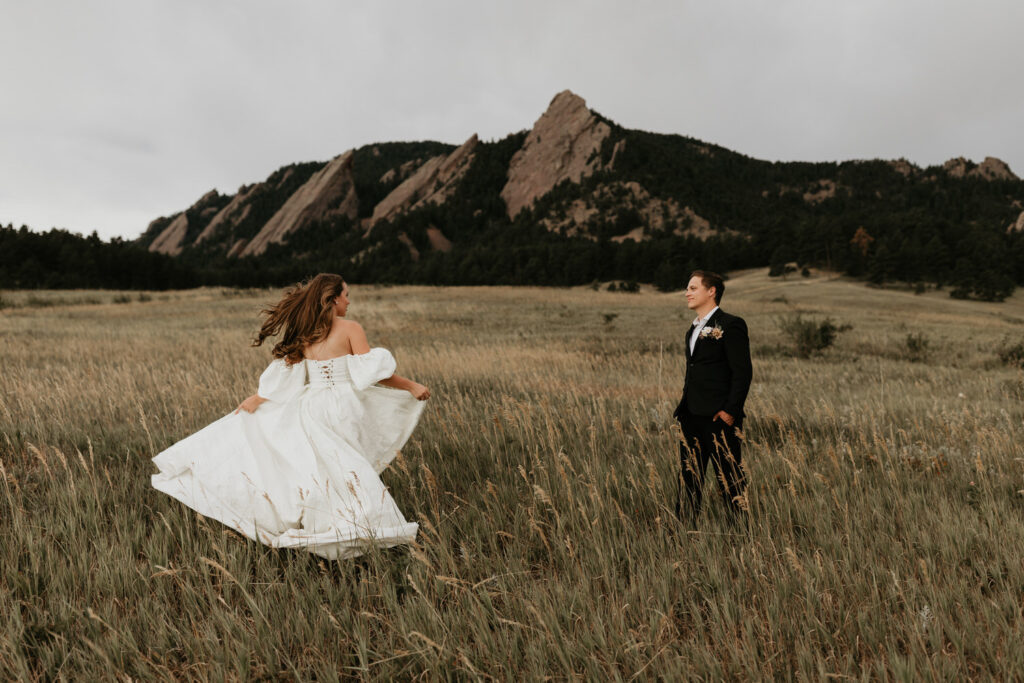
302	471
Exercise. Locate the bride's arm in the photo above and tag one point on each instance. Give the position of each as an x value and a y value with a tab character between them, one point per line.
251	403
398	382
360	345
280	382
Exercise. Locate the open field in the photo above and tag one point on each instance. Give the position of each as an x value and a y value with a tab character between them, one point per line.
887	495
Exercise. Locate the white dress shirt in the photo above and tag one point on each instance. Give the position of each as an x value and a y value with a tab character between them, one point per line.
698	325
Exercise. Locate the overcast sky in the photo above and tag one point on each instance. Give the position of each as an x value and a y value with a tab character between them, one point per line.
114	112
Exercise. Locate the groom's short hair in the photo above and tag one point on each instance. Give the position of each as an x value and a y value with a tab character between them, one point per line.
709	280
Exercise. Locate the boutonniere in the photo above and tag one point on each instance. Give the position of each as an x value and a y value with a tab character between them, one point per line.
715	332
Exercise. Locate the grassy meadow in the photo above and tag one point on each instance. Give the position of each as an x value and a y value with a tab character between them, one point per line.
886	535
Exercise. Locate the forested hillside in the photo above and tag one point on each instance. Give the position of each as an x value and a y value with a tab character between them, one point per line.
576	199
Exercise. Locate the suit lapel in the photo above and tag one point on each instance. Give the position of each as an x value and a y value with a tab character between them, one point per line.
689	333
709	324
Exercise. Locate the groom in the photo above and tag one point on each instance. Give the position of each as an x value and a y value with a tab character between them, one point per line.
718	374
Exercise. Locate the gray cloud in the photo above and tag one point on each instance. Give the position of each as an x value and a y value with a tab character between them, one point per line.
117	112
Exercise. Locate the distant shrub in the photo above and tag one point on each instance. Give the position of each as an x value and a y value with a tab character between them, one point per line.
39	302
809	336
1013	388
145	297
984	286
234	292
630	286
1013	355
776	269
5	303
915	347
960	292
122	299
609	317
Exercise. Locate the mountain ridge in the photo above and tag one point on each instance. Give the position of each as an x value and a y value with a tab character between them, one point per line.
535	169
645	203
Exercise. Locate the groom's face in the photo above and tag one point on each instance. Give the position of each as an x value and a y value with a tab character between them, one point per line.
697	295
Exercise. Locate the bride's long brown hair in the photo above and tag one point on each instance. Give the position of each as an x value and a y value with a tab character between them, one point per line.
306	312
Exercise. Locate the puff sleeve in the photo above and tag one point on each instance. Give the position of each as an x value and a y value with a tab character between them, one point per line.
281	382
368	368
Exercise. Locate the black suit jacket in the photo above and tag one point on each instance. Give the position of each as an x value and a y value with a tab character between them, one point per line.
719	371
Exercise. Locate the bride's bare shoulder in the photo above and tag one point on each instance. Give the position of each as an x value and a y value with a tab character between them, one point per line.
351	335
343	325
347	329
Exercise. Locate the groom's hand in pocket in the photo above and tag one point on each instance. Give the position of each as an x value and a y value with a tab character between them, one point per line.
724	417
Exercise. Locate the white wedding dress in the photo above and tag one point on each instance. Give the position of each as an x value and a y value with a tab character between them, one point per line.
302	470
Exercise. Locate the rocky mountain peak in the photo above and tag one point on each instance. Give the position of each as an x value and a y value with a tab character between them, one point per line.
169	241
990	169
1017	226
329	192
995	169
956	167
903	167
236	209
561	145
433	183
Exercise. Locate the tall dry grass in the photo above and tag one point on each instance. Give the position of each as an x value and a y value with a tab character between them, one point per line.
886	495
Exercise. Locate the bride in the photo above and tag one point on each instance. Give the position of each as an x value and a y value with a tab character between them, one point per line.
296	464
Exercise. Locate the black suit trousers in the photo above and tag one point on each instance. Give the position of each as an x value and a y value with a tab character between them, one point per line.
706	439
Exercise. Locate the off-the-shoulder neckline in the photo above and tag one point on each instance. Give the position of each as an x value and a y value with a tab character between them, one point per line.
347	355
327	360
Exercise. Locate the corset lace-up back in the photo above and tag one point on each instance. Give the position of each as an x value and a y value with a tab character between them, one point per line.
328	373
